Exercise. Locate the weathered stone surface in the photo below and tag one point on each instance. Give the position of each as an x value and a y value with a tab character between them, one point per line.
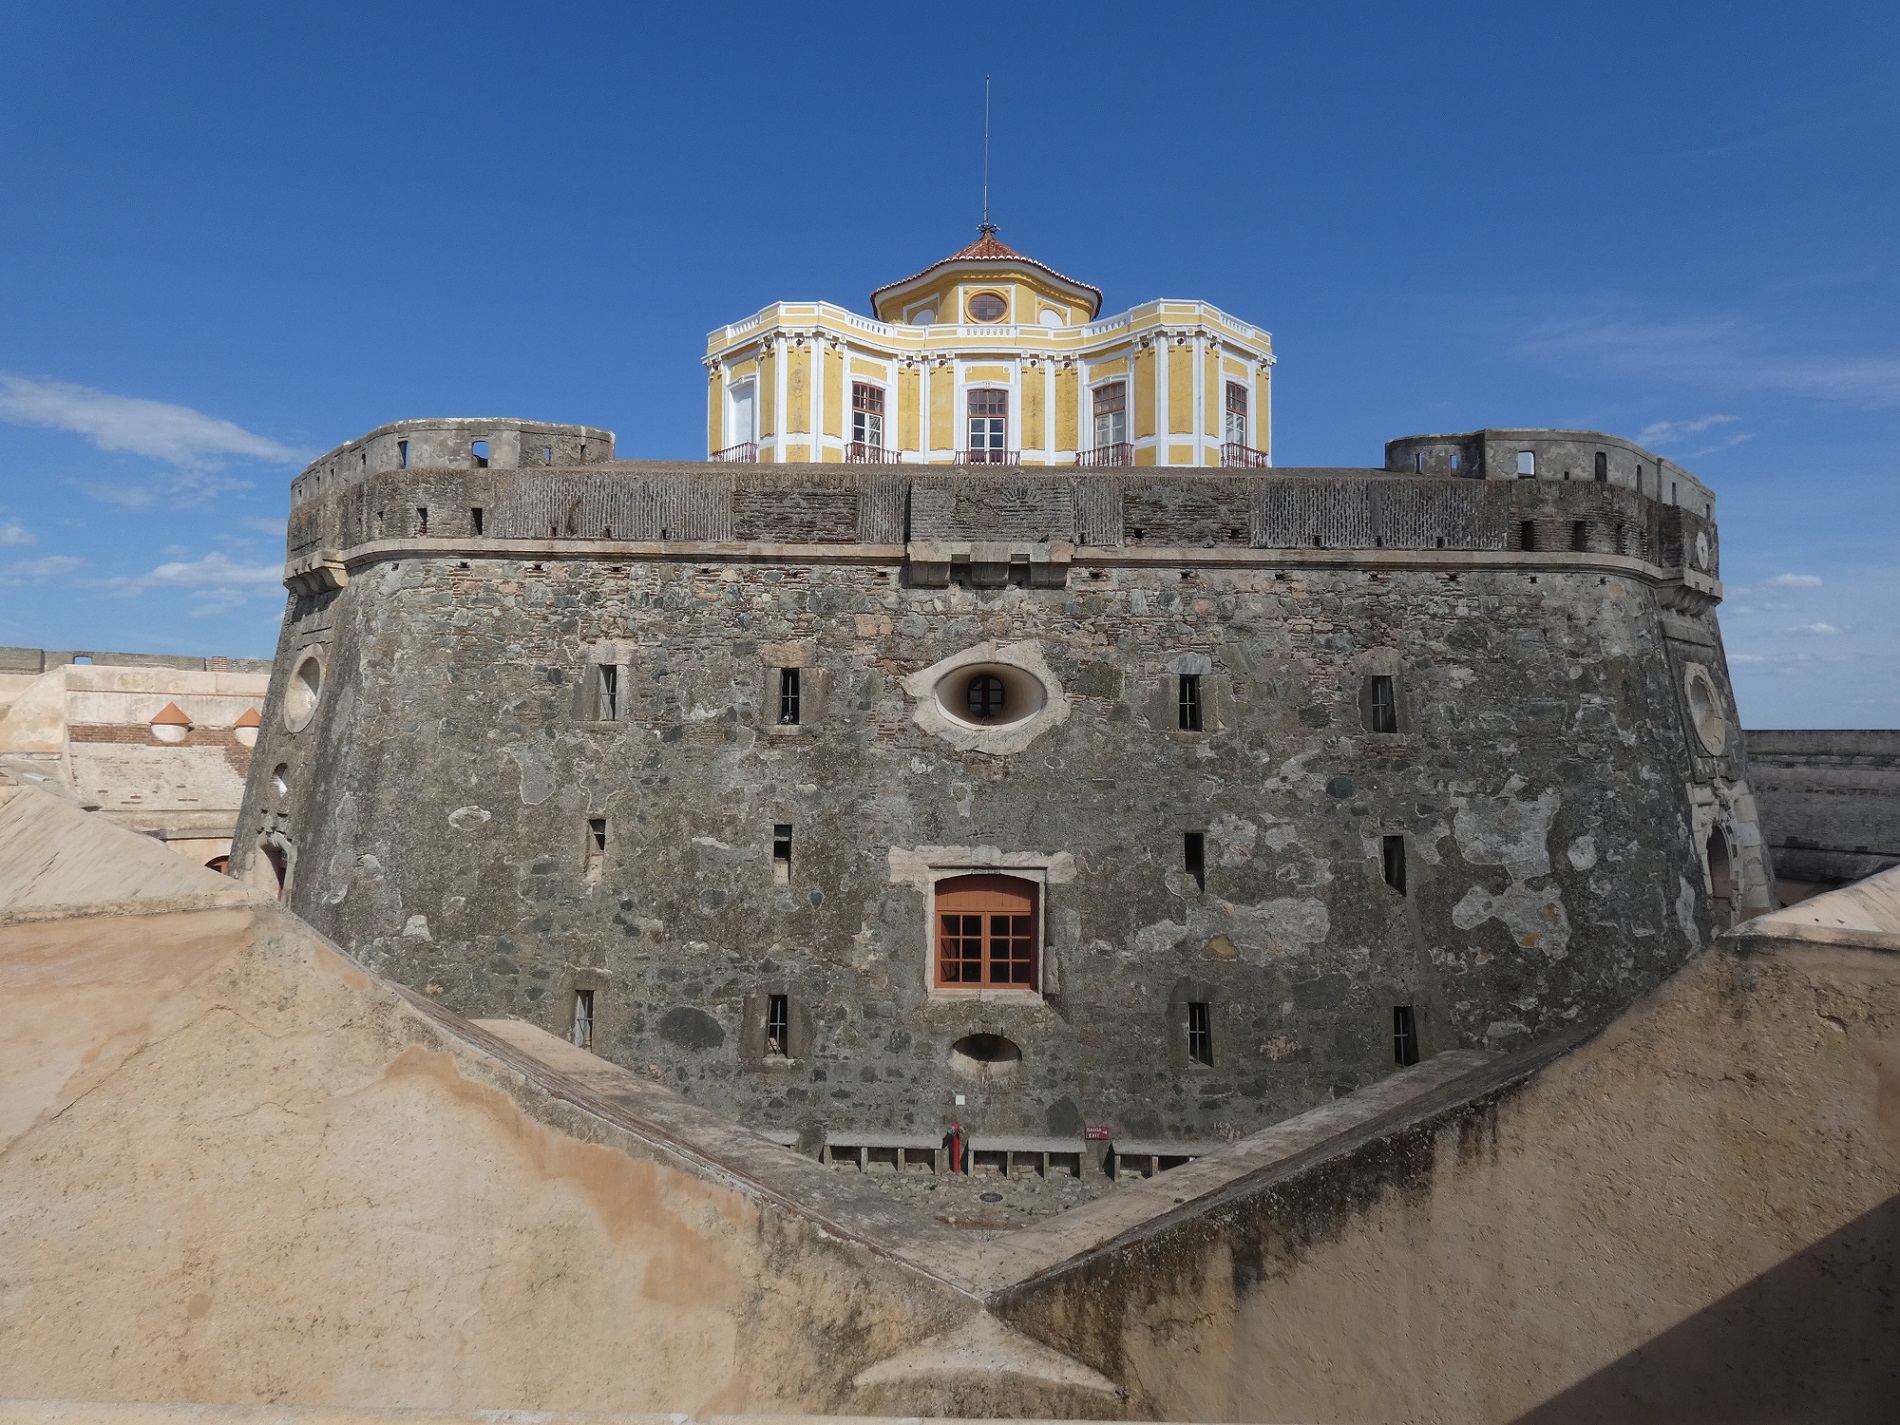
459	762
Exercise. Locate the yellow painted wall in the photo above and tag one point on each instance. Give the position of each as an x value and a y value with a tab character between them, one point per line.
715	412
1032	410
907	412
1180	455
1263	412
768	395
861	367
1144	411
1101	370
1181	389
1145	455
987	373
942	415
1216	391
834	392
797	454
798	390
1067	383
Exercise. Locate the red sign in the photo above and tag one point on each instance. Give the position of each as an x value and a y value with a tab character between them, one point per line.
1095	1135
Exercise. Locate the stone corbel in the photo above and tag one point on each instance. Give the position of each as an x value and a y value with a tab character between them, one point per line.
317	573
990	562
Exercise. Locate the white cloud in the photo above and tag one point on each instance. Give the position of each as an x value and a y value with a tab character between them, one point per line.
1746	658
38	571
1824	629
1719	353
175	434
1665	432
212	571
1794	581
13	532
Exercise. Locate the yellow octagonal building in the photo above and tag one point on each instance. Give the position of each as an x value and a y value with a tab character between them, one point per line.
989	357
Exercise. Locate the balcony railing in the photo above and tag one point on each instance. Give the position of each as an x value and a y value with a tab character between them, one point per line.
1123	454
862	453
746	452
1244	457
989	457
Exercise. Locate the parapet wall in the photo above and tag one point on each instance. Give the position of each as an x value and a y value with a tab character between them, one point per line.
656	503
1573	455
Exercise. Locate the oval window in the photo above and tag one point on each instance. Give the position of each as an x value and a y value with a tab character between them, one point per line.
300	698
987	307
1705	711
990	695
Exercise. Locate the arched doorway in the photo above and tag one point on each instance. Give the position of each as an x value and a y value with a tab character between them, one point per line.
986	933
1720	894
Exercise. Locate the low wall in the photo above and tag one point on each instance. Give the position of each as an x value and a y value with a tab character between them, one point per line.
1690	1216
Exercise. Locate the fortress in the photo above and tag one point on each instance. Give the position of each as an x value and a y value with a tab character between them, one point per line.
1044	777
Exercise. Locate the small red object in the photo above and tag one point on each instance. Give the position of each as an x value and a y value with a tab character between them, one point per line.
1095	1135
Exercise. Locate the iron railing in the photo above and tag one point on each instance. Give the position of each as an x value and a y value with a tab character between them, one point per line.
863	453
746	452
1123	454
1235	455
989	457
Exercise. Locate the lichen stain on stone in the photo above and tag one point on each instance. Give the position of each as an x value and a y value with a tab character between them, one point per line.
1504	831
625	1194
1534	916
536	765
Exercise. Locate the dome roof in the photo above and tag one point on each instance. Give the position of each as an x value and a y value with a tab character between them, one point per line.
170	715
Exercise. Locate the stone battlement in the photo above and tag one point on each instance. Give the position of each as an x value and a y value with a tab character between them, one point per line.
720	510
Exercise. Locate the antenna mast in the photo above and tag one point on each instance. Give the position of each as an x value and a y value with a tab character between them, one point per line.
986	226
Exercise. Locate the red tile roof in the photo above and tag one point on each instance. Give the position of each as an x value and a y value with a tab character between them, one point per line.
988	249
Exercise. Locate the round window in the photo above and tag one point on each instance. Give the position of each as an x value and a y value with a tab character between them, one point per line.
987	307
1705	710
300	698
991	695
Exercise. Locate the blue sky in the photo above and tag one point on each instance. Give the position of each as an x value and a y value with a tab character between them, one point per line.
234	236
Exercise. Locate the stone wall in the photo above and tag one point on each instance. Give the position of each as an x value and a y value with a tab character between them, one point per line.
1830	805
1547	786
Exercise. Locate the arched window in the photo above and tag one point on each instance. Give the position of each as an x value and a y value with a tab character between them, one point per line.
986	932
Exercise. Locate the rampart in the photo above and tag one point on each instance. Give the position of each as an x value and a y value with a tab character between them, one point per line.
1313	770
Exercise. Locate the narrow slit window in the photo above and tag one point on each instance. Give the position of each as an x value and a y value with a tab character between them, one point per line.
1580	536
1392	850
402	454
596	846
583	1019
778	1026
607	692
475	517
788	697
1601	468
1527	534
1382	706
1418	462
479	449
422	519
1188	701
1194	856
547	455
1404	1036
782	853
1454	462
1200	1033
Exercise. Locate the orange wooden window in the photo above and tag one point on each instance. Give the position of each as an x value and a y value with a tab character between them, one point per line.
986	932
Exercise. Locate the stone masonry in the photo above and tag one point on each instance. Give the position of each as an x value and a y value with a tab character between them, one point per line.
524	744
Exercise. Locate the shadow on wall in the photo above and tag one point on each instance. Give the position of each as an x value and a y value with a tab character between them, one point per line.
1730	1361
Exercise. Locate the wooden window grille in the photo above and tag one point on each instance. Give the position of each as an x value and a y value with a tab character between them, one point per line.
1111	415
987	307
986	932
867	415
985	696
1235	431
989	425
1200	1033
1188	702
